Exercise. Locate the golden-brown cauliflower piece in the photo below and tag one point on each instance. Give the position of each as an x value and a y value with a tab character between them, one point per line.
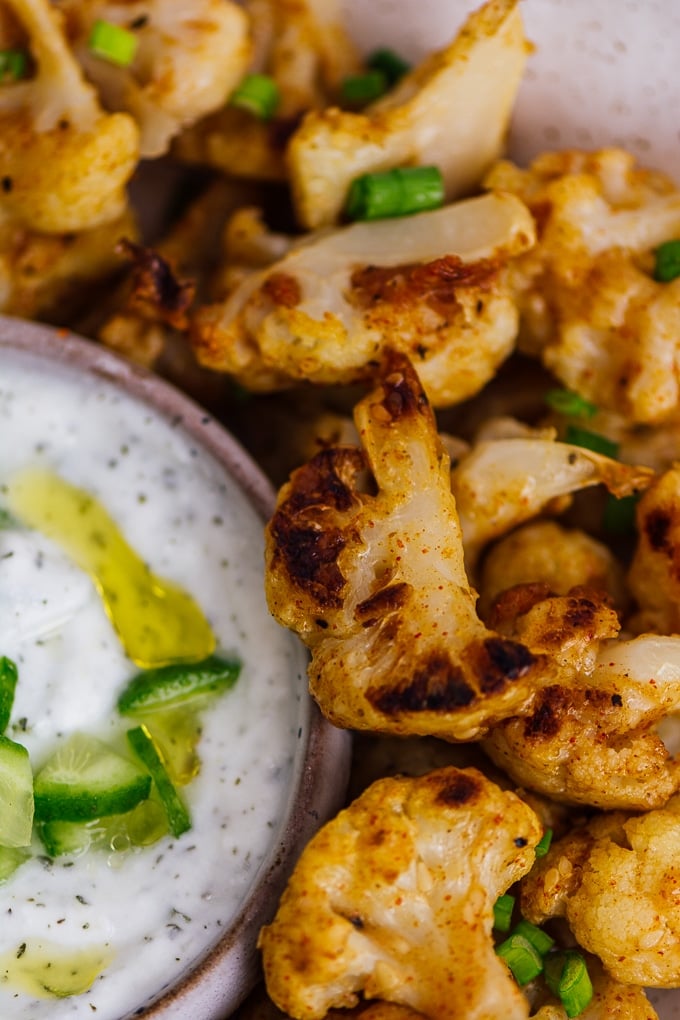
589	304
453	111
369	571
432	285
65	163
653	577
394	898
617	882
303	46
189	58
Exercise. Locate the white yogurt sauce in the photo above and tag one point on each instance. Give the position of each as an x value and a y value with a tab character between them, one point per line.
161	908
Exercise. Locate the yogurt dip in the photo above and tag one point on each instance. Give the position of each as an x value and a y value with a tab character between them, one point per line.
137	918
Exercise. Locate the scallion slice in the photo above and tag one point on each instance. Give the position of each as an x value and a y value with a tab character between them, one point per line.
8	682
258	94
360	89
390	63
398	192
570	403
540	940
543	845
591	441
523	959
113	43
566	975
502	912
618	517
13	64
667	261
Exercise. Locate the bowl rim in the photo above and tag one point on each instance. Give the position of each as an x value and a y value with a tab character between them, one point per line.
216	983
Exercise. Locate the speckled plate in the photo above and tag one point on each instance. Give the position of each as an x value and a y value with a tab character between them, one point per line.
223	977
602	73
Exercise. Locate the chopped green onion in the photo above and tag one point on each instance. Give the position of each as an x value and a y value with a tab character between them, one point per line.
667	261
113	43
258	94
502	912
398	192
144	746
566	975
390	63
591	441
540	940
570	403
360	89
13	65
618	517
523	959
8	682
543	845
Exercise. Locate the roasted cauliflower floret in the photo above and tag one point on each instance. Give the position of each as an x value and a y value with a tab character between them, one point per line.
303	46
617	882
189	58
653	576
394	898
589	305
431	285
453	111
65	163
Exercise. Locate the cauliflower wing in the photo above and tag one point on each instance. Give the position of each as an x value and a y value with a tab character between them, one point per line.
432	285
653	576
453	111
189	58
589	305
394	898
617	883
65	163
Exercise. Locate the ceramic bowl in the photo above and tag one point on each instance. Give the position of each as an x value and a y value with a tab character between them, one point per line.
225	970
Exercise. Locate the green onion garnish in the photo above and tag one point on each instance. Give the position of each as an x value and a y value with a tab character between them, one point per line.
258	94
390	63
8	682
502	912
570	403
591	441
566	975
13	65
398	192
360	89
667	261
543	845
618	517
540	940
523	959
113	43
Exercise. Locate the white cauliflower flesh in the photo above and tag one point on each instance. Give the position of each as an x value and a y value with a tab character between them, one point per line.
452	111
394	898
617	882
65	163
432	285
188	59
590	307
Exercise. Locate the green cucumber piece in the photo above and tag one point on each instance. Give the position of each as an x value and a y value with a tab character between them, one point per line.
143	745
143	826
169	686
85	779
8	683
16	794
11	857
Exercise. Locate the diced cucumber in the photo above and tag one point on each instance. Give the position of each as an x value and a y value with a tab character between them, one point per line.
146	750
11	857
143	826
169	686
85	779
16	794
8	683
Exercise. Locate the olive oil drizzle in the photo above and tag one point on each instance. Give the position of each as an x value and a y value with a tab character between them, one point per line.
47	971
157	622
